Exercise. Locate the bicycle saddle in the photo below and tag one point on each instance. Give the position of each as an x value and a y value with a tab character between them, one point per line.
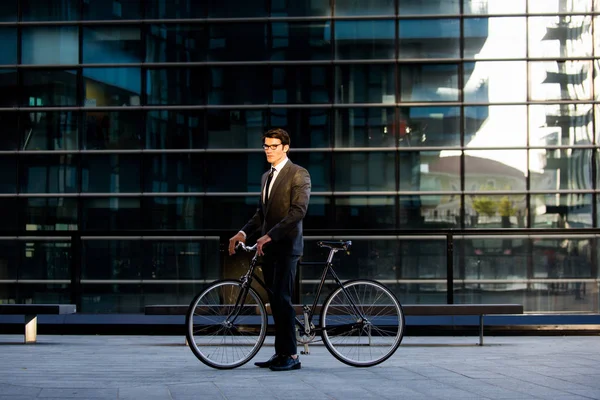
338	244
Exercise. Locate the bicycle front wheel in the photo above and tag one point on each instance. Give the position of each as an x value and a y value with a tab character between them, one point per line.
362	323
226	324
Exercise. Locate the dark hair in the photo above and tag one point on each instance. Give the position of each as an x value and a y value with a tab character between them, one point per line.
277	133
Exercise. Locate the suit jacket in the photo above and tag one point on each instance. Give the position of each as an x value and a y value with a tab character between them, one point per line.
281	218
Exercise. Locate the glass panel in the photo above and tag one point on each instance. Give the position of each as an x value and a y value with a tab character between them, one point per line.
360	7
494	37
45	260
238	85
114	298
560	36
112	87
111	259
164	9
597	124
365	212
176	43
10	210
494	7
429	38
429	171
551	6
9	261
301	40
561	80
560	124
115	130
112	44
8	11
363	171
596	35
193	259
49	88
365	127
320	212
237	9
495	170
429	126
121	9
237	42
495	211
485	81
8	43
174	173
429	82
238	172
418	7
556	169
43	293
318	164
230	213
232	129
8	174
171	129
309	128
300	8
50	214
9	92
176	213
373	83
111	214
110	173
178	86
301	84
9	121
50	130
364	39
486	126
48	174
50	45
430	211
561	211
50	10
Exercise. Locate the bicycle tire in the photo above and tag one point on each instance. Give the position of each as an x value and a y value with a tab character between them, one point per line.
356	342
217	341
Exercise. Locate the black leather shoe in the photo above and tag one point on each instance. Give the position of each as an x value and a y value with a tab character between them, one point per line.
266	364
286	364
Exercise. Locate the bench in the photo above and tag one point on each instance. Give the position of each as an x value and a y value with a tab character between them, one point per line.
31	311
480	310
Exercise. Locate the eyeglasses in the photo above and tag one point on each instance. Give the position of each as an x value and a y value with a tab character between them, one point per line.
271	146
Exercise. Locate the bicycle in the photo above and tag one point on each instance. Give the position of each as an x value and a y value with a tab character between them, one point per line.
361	322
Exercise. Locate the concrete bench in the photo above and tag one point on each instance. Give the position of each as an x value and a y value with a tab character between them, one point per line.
480	310
31	311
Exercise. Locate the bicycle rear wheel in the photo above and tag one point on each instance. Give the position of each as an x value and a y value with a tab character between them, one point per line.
356	341
226	324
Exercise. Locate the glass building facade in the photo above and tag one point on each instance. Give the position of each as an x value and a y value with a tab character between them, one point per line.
456	142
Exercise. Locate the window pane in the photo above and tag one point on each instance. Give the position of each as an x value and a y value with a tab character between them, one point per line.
8	11
360	7
164	9
365	212
551	6
8	43
486	126
9	139
429	126
179	86
301	40
486	81
300	8
9	261
237	42
566	169
50	10
176	213
8	88
429	171
494	7
112	259
112	44
111	214
420	7
429	82
365	127
554	37
117	130
50	45
49	88
495	170
301	84
112	87
364	39
174	173
238	172
365	84
237	9
362	171
494	37
50	130
560	124
45	260
308	128
561	80
170	129
238	85
178	259
116	298
50	214
10	211
110	173
318	164
430	212
230	129
230	212
8	174
104	10
561	211
429	38
176	43
48	174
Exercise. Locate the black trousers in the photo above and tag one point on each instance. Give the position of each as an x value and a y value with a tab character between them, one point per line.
279	272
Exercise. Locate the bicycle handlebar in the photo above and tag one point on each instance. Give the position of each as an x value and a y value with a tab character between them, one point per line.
242	246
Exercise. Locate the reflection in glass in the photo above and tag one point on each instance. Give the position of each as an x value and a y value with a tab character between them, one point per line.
175	213
485	81
114	298
494	37
193	259
496	126
9	121
300	8
238	85
121	9
238	172
365	127
171	129
429	126
484	211
552	6
110	173
237	9
48	174
417	7
9	260
495	170
301	84
173	172
308	127
429	171
561	211
429	82
562	80
112	259
318	163
362	83
362	171
493	7
111	214
50	130
49	214
556	169
429	38
113	87
117	130
8	174
8	43
359	7
560	124
364	39
226	43
112	44
45	260
50	45
227	212
176	42
50	10
234	128
163	9
560	36
365	212
47	88
301	40
178	86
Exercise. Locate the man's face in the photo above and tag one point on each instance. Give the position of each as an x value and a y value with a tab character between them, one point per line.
275	156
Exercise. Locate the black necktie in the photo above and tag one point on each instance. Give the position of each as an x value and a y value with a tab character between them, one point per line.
269	179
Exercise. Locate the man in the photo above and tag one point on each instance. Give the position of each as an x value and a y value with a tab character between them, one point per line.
283	202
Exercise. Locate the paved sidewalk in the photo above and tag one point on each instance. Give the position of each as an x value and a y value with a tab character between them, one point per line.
161	367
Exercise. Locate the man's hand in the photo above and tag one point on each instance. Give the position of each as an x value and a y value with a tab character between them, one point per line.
239	237
261	242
